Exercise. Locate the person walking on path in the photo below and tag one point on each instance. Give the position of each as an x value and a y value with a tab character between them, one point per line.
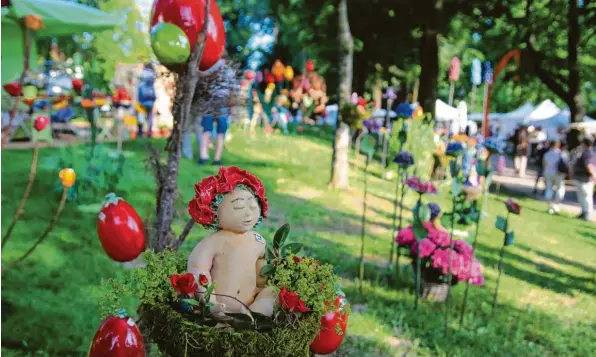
556	168
522	150
584	174
540	152
187	150
146	97
222	127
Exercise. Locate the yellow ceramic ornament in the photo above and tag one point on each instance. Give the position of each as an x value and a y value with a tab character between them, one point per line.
67	177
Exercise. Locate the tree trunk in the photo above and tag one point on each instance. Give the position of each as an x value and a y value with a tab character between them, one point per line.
575	102
429	57
341	140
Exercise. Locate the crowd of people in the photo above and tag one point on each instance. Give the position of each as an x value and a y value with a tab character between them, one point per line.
558	160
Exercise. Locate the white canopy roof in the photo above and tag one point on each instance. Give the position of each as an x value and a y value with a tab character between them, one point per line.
518	114
544	110
561	119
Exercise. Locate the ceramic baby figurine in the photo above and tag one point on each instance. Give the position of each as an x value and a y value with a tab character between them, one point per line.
232	203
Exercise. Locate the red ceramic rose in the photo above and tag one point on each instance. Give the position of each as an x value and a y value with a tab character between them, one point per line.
184	284
291	302
225	181
203	280
41	122
512	206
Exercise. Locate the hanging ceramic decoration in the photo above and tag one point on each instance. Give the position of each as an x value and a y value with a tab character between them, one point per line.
333	329
175	26
120	229
117	336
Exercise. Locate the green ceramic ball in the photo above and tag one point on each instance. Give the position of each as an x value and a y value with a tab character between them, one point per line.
170	44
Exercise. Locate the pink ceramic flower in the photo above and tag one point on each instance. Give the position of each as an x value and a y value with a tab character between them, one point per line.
421	187
440	238
405	236
463	247
513	206
440	260
427	247
476	276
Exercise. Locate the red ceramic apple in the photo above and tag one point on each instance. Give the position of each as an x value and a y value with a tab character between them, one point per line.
117	336
328	340
14	89
41	122
120	229
189	16
77	84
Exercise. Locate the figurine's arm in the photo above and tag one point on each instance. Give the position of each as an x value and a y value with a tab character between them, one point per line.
200	260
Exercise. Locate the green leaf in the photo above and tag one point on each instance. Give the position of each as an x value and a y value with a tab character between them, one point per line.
368	145
501	224
456	187
269	253
419	231
267	269
423	213
292	247
509	238
210	288
192	302
281	235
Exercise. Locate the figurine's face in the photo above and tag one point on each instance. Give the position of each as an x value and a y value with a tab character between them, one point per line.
239	212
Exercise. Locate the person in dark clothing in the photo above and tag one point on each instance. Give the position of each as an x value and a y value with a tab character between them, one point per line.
584	174
539	159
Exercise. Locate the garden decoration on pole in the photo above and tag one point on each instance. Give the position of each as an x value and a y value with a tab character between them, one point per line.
412	235
455	151
489	84
390	95
493	146
67	178
476	81
502	224
404	160
367	147
454	69
41	122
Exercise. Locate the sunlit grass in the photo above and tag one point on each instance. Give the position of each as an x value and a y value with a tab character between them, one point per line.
547	299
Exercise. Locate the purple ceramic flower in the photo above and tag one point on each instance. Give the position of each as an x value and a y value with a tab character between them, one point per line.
390	93
421	187
435	210
404	159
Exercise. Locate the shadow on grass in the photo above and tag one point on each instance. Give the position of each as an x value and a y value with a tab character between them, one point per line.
546	277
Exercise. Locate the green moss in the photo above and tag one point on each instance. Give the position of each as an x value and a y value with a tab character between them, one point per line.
178	337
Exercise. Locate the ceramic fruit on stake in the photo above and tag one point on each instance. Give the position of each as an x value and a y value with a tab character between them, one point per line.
328	340
232	203
117	336
175	26
41	122
120	229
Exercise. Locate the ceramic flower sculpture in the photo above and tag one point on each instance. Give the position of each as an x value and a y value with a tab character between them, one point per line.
232	203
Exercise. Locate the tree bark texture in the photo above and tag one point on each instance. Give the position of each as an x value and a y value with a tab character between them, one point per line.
167	187
341	139
575	102
429	56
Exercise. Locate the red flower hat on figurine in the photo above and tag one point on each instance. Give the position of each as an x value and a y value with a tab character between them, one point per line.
201	206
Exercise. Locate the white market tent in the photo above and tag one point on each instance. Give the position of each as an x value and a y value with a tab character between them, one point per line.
456	118
562	119
546	109
506	123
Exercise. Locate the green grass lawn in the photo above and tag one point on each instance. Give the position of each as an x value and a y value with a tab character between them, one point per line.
547	299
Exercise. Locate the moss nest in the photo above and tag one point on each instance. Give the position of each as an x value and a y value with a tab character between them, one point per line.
178	337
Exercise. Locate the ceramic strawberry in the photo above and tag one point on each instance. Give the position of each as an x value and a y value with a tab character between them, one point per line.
41	122
175	26
328	340
117	336
120	229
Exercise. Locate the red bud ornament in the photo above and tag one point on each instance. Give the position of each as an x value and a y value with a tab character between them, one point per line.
41	122
117	336
120	229
328	340
189	16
